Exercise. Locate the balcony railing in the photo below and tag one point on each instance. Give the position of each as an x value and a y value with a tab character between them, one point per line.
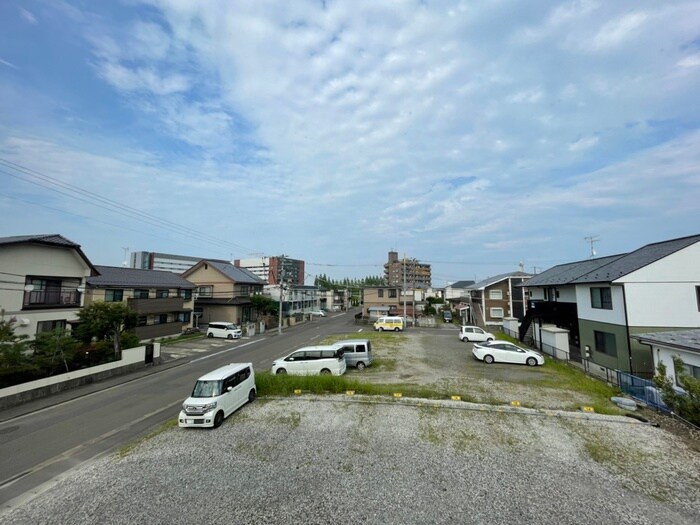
52	298
156	306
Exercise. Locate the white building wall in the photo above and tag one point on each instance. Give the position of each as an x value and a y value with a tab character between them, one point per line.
567	294
665	355
586	311
663	293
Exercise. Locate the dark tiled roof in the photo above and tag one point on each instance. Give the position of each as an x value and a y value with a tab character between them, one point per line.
498	278
236	274
461	284
685	339
134	278
54	238
566	273
637	259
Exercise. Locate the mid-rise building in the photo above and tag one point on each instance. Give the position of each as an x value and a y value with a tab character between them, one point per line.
274	269
405	270
163	261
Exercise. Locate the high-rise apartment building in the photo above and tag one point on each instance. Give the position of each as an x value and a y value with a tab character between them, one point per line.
163	261
274	269
417	274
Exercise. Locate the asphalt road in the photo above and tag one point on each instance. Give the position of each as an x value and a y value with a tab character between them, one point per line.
43	439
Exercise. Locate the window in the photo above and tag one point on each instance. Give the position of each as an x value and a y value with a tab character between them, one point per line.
161	319
186	294
392	293
183	317
141	294
605	343
114	296
496	294
601	298
142	320
49	326
245	290
380	293
496	312
205	291
689	370
162	293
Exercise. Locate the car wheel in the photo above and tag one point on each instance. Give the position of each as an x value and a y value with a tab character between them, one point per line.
531	361
325	372
251	395
229	336
210	335
466	339
489	339
381	329
396	329
488	359
218	419
281	371
360	366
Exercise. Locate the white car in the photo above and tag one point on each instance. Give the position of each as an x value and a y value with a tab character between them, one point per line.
505	352
320	313
312	360
472	334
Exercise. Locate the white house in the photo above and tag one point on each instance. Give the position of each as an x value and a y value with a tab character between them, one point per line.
665	345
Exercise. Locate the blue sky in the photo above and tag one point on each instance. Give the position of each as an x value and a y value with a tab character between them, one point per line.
471	135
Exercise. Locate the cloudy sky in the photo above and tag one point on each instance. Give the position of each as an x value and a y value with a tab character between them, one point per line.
472	135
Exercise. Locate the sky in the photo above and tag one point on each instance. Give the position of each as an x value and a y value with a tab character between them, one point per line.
476	136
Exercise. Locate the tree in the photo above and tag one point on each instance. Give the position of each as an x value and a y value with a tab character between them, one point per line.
685	405
106	321
53	347
265	305
13	348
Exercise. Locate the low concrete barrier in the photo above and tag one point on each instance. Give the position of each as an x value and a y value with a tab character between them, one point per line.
132	359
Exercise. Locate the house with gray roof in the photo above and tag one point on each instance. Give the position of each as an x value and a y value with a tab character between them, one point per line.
223	291
678	343
163	301
458	290
604	302
498	297
44	279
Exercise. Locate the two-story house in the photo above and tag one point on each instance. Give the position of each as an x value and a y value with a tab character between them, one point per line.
163	301
605	302
381	300
223	291
44	277
495	298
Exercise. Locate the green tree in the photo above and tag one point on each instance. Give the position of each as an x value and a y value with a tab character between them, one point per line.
685	405
53	348
106	322
265	305
13	348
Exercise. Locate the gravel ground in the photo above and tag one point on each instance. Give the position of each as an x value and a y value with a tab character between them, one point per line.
341	459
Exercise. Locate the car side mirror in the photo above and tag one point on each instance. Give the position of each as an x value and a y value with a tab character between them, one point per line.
228	389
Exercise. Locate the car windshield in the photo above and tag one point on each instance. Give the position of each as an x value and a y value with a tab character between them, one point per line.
206	389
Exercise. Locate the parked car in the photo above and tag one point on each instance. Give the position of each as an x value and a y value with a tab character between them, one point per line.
312	360
389	323
357	352
472	334
320	313
224	329
447	316
505	352
217	395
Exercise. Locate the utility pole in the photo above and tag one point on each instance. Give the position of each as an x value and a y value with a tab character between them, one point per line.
280	281
404	289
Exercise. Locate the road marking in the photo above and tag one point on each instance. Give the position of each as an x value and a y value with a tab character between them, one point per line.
224	351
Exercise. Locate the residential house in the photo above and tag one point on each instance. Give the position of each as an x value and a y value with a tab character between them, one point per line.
223	292
296	300
44	277
458	290
163	301
496	298
666	345
390	300
605	302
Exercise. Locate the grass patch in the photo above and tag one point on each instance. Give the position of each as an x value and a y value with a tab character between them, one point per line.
129	447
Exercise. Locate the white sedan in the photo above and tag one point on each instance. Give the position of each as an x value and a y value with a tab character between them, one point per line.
505	352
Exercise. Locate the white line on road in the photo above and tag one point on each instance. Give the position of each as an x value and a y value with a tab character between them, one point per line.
227	350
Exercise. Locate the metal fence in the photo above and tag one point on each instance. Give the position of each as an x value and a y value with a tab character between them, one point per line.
642	390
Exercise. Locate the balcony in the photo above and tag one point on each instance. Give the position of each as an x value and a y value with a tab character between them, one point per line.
51	298
156	306
158	330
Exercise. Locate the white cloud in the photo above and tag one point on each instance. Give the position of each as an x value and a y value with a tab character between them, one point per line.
27	16
617	31
690	61
8	64
143	79
583	144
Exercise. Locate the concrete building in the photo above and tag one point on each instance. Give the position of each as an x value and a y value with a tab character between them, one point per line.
414	273
273	269
162	261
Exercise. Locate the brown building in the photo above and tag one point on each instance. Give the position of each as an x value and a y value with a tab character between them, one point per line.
497	297
414	273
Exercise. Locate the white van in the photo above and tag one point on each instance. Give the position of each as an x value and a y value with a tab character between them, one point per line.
217	395
224	329
389	323
312	360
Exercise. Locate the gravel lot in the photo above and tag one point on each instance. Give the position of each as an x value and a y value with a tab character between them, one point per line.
350	459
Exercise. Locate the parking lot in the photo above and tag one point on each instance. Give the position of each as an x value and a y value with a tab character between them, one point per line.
382	460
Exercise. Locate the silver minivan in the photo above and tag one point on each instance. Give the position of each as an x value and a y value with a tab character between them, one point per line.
217	395
357	352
